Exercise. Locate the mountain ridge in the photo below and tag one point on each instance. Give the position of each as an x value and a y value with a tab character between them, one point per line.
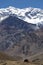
30	15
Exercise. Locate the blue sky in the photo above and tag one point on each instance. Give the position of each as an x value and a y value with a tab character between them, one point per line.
22	3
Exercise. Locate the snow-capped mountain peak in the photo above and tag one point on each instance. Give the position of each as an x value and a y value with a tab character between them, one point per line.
30	15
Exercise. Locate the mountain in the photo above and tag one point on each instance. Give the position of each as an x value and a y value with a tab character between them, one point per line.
21	31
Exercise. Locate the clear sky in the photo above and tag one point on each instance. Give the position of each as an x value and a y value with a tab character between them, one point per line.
22	3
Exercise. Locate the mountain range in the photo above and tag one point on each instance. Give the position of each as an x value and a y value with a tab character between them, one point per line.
21	31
